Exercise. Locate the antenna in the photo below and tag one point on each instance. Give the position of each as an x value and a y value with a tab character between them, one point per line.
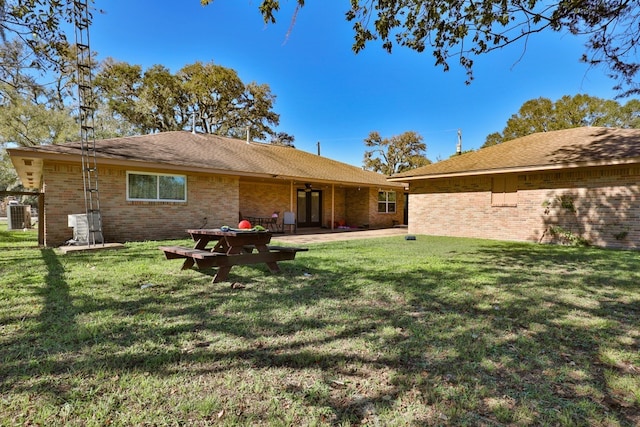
459	145
86	100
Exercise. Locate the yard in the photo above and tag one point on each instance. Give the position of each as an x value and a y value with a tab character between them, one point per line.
436	331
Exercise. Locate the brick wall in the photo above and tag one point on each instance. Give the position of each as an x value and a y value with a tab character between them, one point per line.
356	207
362	209
262	199
212	197
601	205
211	200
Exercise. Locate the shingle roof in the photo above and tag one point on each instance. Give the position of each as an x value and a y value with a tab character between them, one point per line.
566	148
214	154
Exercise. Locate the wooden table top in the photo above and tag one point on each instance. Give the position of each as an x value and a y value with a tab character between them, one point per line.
230	232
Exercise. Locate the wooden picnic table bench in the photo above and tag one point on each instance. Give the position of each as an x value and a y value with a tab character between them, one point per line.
233	247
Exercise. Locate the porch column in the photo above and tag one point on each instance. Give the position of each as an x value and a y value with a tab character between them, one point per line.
291	196
41	219
333	205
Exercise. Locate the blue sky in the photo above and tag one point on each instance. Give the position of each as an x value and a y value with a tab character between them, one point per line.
326	93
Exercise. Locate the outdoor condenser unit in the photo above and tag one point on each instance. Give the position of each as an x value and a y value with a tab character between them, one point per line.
18	217
81	230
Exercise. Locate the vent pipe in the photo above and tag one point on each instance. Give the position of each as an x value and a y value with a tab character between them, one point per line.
318	145
459	145
247	134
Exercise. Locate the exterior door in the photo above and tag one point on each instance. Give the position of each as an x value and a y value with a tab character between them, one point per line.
309	208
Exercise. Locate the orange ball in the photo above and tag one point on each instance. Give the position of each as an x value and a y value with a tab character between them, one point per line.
244	225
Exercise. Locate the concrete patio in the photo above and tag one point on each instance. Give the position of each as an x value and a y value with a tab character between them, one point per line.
317	235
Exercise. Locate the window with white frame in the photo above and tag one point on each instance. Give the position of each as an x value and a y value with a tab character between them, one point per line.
155	187
386	201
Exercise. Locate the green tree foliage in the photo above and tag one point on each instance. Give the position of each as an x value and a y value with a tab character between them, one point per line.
26	123
543	115
8	177
396	154
283	138
32	113
210	96
39	26
462	29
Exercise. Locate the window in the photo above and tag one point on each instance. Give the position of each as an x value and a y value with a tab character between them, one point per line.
386	201
504	190
156	187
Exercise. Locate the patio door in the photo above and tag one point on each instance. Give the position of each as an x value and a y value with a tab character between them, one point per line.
309	208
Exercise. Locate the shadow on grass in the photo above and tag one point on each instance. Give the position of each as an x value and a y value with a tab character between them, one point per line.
494	323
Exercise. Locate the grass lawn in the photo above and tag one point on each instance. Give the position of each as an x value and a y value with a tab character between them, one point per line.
436	331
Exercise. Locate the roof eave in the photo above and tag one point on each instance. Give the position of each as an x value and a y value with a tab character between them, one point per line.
29	170
517	169
19	156
339	182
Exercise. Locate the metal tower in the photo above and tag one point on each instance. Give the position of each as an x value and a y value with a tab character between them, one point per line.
87	134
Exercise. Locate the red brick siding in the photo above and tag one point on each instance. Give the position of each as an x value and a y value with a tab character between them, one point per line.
213	197
362	208
262	199
339	204
356	207
219	199
601	205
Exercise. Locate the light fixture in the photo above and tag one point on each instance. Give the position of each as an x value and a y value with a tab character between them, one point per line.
307	187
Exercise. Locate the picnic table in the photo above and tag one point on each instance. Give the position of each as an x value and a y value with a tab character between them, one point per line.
232	247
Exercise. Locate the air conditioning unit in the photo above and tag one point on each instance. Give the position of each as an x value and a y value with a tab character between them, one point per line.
18	217
82	230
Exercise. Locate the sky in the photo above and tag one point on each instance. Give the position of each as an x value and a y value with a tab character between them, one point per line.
327	94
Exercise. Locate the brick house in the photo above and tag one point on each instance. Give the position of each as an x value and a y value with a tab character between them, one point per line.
155	186
563	186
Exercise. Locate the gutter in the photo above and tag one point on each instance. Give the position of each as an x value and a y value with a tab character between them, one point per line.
516	169
38	156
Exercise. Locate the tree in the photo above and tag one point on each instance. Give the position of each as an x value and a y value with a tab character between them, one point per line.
209	97
225	105
27	124
108	125
396	154
39	25
543	115
118	86
8	176
283	138
32	113
464	29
